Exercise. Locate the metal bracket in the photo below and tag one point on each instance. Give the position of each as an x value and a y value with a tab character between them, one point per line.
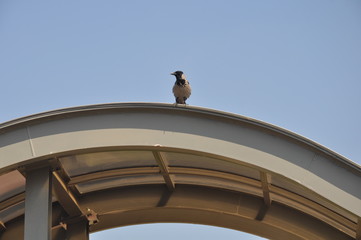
92	217
267	200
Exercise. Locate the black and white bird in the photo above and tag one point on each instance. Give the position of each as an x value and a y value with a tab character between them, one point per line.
181	89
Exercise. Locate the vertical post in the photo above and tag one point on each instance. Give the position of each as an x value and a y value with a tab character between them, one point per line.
38	204
78	229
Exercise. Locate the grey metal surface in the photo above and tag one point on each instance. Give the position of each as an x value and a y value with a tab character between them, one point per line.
112	146
38	213
78	230
234	137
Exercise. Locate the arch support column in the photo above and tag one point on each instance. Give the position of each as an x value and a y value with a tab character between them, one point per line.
38	204
78	229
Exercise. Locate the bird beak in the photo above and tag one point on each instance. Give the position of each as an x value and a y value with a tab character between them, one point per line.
173	73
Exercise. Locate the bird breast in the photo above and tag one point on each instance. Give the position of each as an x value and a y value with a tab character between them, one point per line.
182	91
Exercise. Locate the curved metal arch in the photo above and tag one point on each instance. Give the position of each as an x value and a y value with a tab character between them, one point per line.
188	147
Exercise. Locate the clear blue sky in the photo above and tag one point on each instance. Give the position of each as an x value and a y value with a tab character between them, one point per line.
295	64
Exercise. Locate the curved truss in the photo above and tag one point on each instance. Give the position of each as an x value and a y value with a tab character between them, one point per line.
120	164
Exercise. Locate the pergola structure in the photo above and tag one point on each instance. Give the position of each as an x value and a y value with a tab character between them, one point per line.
70	172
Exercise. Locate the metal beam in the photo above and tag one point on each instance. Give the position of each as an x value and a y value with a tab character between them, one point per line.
38	204
2	226
313	208
78	229
215	174
12	201
113	173
190	204
358	229
265	180
249	185
66	199
161	160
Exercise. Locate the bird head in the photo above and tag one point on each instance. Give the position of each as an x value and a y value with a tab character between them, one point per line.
178	74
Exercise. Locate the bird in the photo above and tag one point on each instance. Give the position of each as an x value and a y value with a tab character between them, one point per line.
181	89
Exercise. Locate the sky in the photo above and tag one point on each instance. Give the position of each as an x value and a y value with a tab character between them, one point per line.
294	64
